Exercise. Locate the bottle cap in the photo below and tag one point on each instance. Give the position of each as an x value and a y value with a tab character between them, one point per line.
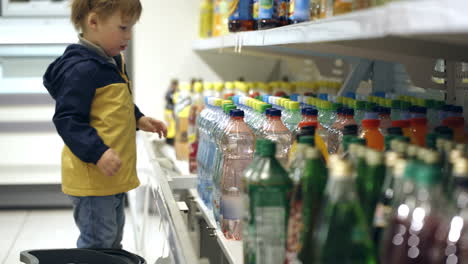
308	124
399	168
360	105
351	130
236	113
371	123
268	148
198	87
384	111
395	131
396	104
457	109
218	86
340	168
391	158
405	105
444	131
401	123
431	140
398	146
348	112
309	111
229	85
227	108
217	102
460	168
208	86
275	112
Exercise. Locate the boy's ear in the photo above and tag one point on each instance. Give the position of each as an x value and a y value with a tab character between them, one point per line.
92	21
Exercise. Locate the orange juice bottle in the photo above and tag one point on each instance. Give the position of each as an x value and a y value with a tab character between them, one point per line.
371	133
405	126
418	131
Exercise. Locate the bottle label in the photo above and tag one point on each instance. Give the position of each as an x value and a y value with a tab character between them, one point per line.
299	10
266	9
270	239
282	9
382	215
255	7
231	207
240	10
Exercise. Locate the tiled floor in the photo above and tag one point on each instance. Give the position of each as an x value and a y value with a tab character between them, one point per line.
43	229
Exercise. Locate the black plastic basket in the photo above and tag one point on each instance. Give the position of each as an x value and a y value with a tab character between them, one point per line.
80	256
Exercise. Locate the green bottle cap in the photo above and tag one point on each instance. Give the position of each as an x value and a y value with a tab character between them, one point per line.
228	107
326	105
405	105
309	140
431	140
388	141
430	103
264	107
268	148
360	105
370	106
358	141
396	104
335	106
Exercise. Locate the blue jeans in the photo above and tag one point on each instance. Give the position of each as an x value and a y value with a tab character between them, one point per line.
100	219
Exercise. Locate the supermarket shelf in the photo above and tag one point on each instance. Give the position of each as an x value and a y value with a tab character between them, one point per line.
399	30
231	249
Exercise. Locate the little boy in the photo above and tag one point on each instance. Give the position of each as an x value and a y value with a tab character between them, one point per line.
97	119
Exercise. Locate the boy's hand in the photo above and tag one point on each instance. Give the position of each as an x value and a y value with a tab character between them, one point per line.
109	163
149	124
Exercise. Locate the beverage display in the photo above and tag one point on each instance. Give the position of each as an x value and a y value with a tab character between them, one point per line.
299	11
388	188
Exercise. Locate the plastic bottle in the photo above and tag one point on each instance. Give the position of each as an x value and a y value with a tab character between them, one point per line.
385	120
342	7
267	194
350	132
405	114
218	90
418	131
410	235
182	111
309	115
229	90
241	18
195	110
280	134
206	19
299	11
359	111
219	15
336	132
396	110
282	12
342	216
404	125
294	116
219	163
266	14
306	200
372	134
457	124
452	234
238	147
304	129
395	167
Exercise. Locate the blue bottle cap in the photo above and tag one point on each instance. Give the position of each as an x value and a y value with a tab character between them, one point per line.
350	95
265	98
309	111
323	96
275	112
380	94
236	113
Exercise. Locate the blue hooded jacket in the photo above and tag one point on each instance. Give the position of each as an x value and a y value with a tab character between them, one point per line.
72	80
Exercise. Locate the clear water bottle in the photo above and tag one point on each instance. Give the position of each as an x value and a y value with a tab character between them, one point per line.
277	132
238	147
294	116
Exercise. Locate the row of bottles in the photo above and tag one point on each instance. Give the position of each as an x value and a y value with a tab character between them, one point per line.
356	199
218	17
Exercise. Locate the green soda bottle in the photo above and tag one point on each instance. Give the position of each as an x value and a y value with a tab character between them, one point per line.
305	203
342	234
268	189
373	183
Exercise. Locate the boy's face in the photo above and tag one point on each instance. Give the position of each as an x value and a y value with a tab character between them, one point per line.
111	34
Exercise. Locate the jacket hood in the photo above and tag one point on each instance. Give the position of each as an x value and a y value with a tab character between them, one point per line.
74	54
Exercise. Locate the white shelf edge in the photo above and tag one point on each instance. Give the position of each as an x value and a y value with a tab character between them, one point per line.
231	249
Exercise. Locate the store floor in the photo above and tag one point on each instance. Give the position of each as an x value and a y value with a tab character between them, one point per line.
43	229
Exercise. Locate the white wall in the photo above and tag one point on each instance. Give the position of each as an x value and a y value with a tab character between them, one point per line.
162	50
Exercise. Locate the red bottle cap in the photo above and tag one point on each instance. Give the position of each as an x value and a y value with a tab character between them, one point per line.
401	123
418	121
371	123
308	124
454	122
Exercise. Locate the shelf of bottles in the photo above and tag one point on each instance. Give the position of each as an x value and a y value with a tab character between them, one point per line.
378	29
300	175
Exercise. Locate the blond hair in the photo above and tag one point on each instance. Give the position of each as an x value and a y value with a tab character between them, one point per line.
80	9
